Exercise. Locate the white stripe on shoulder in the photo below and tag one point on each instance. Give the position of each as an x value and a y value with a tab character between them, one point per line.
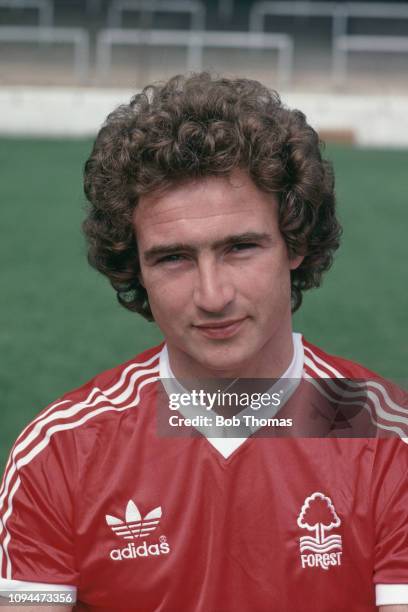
386	421
372	384
109	391
21	436
30	432
315	369
69	413
319	361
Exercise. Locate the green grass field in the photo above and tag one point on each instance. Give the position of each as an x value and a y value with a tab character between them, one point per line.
60	323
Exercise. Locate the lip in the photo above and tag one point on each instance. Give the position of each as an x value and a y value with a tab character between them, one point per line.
221	329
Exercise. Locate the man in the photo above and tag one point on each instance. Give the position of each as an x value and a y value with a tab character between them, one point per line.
211	210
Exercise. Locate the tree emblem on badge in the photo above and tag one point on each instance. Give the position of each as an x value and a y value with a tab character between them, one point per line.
319	515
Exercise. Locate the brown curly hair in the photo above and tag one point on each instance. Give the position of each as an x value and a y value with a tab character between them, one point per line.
200	126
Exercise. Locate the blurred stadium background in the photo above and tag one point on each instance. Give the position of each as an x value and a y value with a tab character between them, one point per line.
64	64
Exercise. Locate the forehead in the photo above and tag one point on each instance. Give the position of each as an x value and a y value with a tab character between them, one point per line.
205	208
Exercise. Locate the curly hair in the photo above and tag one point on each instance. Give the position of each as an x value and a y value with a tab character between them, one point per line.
200	126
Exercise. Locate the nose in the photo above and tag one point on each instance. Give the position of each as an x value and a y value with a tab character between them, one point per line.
213	290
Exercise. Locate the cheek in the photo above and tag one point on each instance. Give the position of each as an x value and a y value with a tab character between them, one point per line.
168	298
270	297
268	282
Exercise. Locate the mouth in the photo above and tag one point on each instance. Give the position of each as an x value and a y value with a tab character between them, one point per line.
220	329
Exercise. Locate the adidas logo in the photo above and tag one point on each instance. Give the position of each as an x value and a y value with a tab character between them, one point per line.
134	526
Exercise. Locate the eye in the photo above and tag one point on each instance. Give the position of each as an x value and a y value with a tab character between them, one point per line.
171	258
243	246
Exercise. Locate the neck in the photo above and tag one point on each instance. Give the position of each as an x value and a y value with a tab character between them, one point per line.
270	362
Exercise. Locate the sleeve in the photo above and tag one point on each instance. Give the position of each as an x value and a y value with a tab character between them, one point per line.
390	508
37	512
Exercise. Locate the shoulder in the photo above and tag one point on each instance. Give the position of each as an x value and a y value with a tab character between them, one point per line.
318	363
104	398
112	382
351	383
115	387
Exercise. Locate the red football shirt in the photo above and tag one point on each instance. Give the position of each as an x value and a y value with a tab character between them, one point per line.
94	498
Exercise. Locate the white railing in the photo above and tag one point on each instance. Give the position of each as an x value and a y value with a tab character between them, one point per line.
45	9
261	10
340	14
78	37
368	10
195	42
353	43
194	8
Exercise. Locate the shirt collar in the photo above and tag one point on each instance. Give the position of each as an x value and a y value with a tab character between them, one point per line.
227	439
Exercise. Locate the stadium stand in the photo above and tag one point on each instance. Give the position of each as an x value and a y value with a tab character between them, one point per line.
313	47
326	37
78	37
196	42
340	15
195	9
44	9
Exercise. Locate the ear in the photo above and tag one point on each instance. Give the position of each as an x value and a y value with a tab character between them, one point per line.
295	261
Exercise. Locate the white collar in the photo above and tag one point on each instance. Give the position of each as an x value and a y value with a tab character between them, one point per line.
225	439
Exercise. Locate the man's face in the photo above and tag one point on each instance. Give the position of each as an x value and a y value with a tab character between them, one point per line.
217	274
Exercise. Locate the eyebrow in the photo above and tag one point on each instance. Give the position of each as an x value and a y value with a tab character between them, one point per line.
161	250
